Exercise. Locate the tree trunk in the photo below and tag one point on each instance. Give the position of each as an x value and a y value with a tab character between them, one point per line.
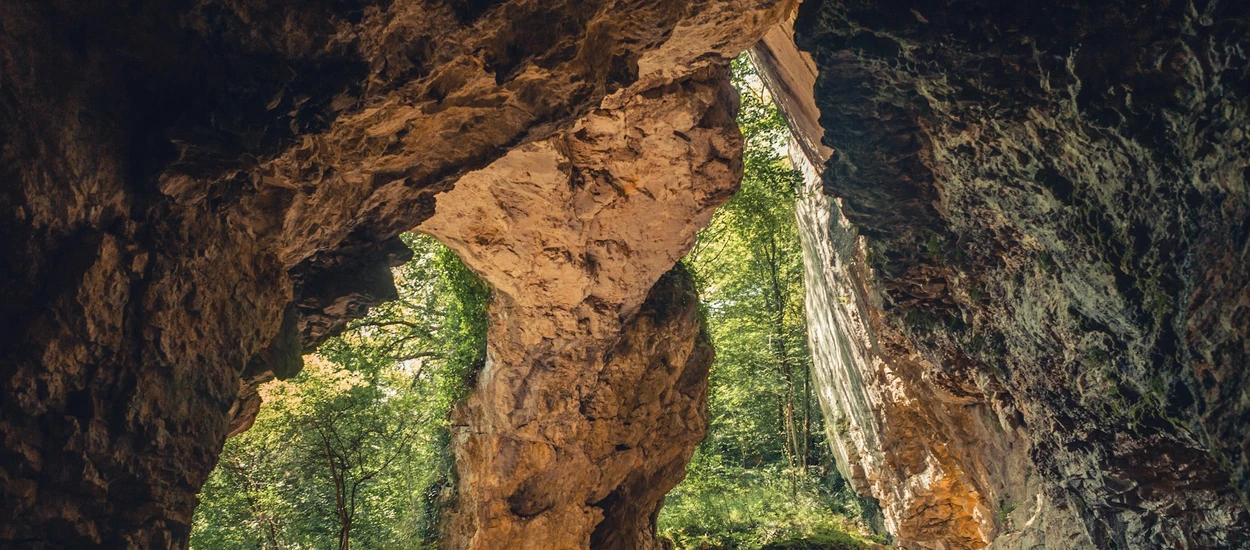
345	541
807	415
772	258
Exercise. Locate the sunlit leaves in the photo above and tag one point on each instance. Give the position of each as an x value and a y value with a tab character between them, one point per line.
764	473
355	447
749	266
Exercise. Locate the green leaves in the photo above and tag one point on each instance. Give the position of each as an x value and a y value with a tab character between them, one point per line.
758	478
749	267
354	448
727	506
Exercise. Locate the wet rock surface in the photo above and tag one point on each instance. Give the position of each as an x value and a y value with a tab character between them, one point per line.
1032	236
196	193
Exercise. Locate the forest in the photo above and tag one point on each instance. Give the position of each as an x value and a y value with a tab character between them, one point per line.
354	451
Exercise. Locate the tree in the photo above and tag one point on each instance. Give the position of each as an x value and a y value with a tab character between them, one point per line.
750	264
353	452
764	474
354	448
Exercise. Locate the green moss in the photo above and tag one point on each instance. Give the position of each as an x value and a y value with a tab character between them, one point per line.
842	426
917	319
977	342
1044	262
1220	459
1156	301
976	295
877	259
1097	357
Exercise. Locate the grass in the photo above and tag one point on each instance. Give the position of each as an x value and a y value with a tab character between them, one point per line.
1004	510
820	541
730	507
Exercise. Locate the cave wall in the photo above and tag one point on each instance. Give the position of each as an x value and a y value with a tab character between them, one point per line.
588	410
1025	229
195	193
1025	246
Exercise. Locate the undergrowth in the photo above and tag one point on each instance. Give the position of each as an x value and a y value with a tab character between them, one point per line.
722	506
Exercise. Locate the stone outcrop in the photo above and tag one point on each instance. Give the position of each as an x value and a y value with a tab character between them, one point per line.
1026	246
1025	234
587	410
195	193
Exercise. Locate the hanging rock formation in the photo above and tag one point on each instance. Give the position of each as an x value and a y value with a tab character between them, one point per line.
195	193
1026	237
587	411
1028	254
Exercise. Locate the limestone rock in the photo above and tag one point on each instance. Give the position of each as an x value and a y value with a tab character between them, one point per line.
588	410
576	445
196	192
1024	286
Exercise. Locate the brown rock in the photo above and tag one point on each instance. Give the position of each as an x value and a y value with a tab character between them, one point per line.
1029	210
587	410
579	451
195	193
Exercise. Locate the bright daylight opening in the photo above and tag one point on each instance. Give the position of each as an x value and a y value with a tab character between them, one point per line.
355	449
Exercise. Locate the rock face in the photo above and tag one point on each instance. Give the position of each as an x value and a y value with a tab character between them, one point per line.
1027	260
1026	236
587	410
197	192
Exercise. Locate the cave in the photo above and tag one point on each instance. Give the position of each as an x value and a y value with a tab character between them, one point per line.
1026	249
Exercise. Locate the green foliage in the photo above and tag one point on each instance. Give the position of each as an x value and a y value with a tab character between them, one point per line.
1156	301
1004	511
1044	262
933	246
877	258
354	448
722	505
748	265
1097	356
918	319
764	475
834	540
976	295
842	426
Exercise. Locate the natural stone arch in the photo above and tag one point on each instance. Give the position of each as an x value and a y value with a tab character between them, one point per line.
197	193
592	401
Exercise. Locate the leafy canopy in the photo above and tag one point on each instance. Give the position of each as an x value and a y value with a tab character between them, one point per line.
354	450
764	477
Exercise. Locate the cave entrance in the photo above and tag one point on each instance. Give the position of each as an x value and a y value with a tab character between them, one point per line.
355	448
765	476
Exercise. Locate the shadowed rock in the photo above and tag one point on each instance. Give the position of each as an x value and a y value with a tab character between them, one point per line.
195	193
1026	308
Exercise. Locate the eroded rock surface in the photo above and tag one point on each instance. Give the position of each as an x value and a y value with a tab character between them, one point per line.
195	193
1028	266
587	411
1029	255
